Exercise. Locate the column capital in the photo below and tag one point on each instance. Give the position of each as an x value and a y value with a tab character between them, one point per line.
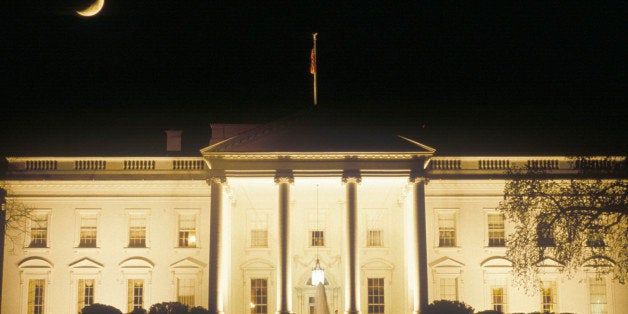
284	176
414	179
217	176
351	176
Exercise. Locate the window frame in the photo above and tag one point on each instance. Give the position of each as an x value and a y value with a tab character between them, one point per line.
195	213
490	230
87	214
437	227
143	214
47	213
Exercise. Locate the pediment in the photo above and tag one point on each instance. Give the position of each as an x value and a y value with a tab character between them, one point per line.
598	261
188	263
257	264
378	264
446	262
137	262
86	263
317	131
496	262
34	263
549	262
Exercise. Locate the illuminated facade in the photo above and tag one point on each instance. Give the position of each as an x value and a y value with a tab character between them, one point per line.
240	227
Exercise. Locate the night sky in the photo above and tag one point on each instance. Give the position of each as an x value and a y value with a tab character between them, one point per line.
503	66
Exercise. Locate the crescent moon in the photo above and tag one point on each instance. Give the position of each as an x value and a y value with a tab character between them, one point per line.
93	9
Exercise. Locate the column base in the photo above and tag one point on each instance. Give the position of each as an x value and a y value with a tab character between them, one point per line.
352	312
284	312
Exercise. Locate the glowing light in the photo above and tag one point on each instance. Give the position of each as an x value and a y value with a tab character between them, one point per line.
93	9
252	305
318	274
192	239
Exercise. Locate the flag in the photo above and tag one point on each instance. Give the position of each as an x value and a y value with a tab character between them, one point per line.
313	61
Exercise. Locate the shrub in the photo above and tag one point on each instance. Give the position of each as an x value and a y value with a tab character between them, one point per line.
168	308
98	308
199	310
138	310
447	307
490	312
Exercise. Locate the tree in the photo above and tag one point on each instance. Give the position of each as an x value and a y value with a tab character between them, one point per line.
168	308
98	308
575	220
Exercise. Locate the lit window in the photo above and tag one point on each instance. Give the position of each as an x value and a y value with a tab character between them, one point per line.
187	231
185	291
36	289
259	296
496	234
548	296
259	238
39	231
85	293
449	289
88	232
376	302
446	230
318	238
374	238
137	231
498	299
597	295
135	294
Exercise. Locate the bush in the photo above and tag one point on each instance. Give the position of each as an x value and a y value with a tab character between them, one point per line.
490	312
98	308
447	307
138	310
199	310
168	308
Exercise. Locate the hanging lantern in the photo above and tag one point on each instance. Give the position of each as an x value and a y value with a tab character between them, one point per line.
318	274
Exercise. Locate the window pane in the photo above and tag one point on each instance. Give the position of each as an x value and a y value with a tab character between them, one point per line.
88	232
85	293
259	238
548	296
496	230
376	302
597	295
187	231
374	238
186	291
318	238
259	296
36	289
446	230
498	298
135	294
449	289
39	231
137	232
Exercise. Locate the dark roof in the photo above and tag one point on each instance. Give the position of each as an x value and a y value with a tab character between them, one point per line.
317	130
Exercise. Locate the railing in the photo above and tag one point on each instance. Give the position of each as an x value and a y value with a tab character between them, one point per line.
41	165
188	164
501	164
446	164
139	165
90	164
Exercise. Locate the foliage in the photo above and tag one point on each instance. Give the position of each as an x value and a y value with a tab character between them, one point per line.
16	217
168	308
447	307
490	312
98	308
575	221
199	310
138	310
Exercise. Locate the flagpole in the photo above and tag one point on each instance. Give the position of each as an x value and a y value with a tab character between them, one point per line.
313	67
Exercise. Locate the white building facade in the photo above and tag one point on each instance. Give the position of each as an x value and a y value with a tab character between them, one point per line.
239	228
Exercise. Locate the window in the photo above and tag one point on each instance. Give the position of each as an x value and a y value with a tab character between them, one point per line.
89	225
446	230
136	294
85	293
312	304
36	290
259	296
39	231
545	234
137	231
548	296
187	231
318	238
496	234
597	295
375	295
498	298
186	288
448	288
259	238
374	238
596	238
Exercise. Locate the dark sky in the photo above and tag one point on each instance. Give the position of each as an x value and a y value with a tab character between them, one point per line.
548	66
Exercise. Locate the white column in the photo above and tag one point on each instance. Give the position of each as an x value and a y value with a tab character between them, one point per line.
216	182
352	279
420	238
283	179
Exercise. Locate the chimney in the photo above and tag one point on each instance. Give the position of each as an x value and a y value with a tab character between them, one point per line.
173	140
